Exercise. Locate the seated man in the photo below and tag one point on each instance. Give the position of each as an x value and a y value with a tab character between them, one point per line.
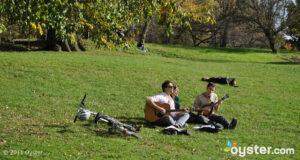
202	102
177	119
221	80
142	47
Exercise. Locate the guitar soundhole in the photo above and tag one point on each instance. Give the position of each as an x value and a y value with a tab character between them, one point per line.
158	114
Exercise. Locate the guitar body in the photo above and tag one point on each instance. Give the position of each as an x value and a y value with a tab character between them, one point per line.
152	114
212	105
206	113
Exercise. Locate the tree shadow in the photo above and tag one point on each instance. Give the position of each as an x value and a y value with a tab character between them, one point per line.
21	46
234	50
285	63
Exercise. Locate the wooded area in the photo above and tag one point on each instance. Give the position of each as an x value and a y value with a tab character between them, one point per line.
61	24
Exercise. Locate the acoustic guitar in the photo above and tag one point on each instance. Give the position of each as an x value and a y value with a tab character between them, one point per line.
212	105
152	114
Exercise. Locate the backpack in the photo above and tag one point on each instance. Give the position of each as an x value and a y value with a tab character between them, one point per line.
172	130
213	127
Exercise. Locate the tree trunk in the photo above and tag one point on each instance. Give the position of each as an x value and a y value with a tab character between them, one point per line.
51	39
65	46
53	44
76	46
194	38
80	45
225	35
272	45
271	41
144	31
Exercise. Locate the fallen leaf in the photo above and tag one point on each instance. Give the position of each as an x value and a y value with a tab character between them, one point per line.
2	142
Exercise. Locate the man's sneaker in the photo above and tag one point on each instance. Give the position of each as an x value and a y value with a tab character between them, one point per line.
185	125
233	123
176	126
186	132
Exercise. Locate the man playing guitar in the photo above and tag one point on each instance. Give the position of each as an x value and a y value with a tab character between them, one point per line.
202	104
177	119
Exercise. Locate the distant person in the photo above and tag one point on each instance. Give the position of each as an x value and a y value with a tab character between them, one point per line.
221	80
142	47
202	103
121	34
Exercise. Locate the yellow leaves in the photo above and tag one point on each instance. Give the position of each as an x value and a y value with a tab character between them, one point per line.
207	19
90	26
188	25
33	25
103	39
84	22
198	11
2	28
213	21
72	38
39	27
206	6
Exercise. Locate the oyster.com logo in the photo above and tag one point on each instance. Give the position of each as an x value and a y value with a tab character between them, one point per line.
242	151
230	145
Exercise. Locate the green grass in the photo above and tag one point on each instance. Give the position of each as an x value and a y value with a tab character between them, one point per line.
40	93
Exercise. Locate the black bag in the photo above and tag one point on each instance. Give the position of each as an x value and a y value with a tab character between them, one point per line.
172	130
213	127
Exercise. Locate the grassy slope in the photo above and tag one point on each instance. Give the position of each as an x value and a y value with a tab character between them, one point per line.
40	93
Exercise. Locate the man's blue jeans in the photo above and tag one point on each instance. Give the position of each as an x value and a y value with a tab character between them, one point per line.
178	120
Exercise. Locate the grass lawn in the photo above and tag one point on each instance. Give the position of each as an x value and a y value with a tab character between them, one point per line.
40	93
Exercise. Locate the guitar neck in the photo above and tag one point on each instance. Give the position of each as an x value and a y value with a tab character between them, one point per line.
222	99
175	110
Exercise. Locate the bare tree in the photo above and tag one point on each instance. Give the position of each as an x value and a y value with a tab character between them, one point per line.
206	32
270	16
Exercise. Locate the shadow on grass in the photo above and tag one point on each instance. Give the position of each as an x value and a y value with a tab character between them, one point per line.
63	127
102	129
9	47
229	50
222	49
198	59
139	121
285	63
22	45
108	133
105	130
